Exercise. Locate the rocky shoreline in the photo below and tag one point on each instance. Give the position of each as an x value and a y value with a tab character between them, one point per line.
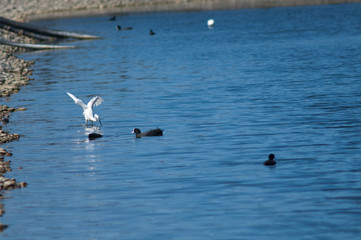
15	72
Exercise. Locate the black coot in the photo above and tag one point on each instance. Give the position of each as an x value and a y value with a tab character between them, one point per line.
270	161
94	136
150	133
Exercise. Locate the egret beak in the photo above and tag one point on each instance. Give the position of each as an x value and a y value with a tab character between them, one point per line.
100	122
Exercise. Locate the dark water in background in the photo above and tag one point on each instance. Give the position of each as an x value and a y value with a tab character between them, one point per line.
283	80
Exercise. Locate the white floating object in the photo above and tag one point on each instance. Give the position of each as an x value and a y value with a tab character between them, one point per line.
210	22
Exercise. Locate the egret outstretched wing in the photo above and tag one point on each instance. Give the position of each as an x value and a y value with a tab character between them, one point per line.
88	108
77	100
95	101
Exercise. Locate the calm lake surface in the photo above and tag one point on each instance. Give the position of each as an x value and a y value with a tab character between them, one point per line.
285	81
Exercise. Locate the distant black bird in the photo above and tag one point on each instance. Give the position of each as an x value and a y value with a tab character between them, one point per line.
94	136
150	133
270	161
151	32
112	18
119	28
5	120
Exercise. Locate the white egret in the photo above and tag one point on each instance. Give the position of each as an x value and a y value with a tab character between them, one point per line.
88	109
210	22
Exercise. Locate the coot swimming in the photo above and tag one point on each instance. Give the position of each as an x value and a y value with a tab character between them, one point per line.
270	161
150	133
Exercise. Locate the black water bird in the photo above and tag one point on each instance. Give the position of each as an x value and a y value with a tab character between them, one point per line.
151	32
119	28
94	136
112	18
150	133
270	161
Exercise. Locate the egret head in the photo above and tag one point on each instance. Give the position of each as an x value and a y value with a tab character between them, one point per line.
97	118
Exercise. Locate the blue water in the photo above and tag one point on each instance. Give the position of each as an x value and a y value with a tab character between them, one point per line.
284	80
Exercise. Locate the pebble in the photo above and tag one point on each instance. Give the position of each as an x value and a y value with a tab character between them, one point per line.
6	183
7	137
10	183
3	227
2	211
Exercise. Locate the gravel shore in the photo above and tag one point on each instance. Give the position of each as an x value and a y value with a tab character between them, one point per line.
15	72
